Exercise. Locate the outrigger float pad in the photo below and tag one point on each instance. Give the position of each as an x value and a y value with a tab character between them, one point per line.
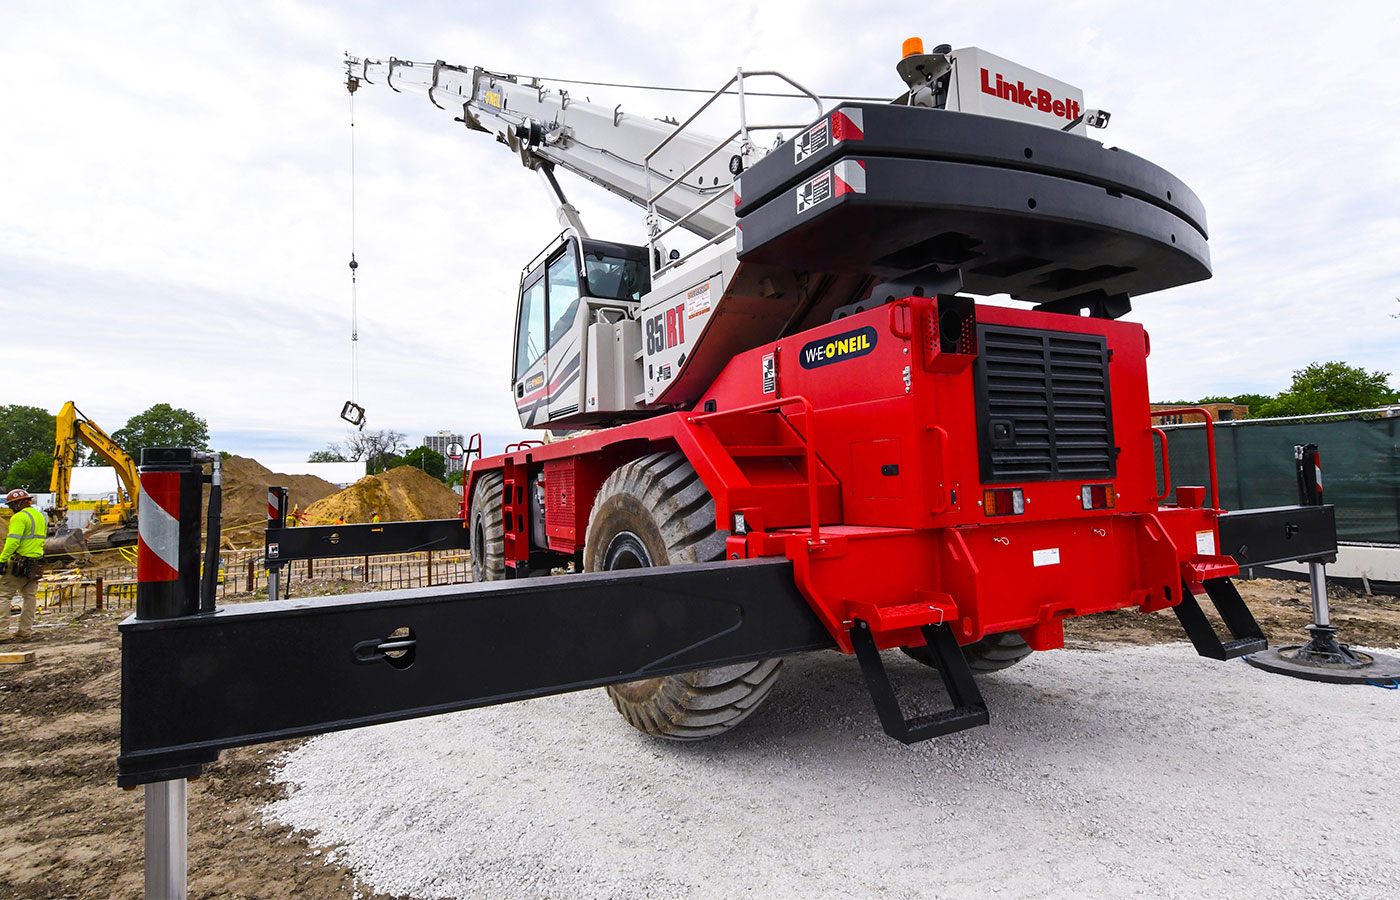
1323	659
1016	208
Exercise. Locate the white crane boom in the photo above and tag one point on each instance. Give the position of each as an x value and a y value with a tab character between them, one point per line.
605	145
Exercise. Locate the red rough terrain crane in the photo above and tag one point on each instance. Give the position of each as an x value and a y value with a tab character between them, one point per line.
793	429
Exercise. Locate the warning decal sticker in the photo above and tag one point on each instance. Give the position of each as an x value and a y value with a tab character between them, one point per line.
813	192
697	300
813	140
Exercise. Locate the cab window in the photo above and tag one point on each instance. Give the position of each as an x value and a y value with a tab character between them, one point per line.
615	277
529	342
563	296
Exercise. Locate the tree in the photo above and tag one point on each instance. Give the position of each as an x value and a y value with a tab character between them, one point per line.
24	431
383	463
33	473
1255	402
330	454
428	460
162	426
380	450
1331	387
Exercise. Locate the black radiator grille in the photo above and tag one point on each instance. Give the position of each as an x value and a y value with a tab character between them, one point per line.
1043	410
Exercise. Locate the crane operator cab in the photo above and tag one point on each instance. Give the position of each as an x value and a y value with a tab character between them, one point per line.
574	362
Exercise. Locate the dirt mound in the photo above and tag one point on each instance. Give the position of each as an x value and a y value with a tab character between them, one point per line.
398	495
245	497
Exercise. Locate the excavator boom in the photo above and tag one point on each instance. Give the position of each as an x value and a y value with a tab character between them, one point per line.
72	429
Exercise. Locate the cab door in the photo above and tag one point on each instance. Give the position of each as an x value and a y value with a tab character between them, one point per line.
565	335
531	361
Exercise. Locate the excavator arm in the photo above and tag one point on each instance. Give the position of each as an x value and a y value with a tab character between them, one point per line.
74	427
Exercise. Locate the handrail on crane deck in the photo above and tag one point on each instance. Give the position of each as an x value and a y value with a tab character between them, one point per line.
742	132
1210	450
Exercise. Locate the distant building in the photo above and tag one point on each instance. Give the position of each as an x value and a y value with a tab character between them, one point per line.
438	443
1221	412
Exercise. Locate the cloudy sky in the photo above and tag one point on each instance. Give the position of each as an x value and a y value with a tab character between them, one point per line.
175	215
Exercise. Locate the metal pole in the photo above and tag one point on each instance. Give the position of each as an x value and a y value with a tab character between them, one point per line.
272	585
166	852
1317	581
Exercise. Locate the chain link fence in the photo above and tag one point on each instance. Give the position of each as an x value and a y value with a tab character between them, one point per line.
110	582
1254	457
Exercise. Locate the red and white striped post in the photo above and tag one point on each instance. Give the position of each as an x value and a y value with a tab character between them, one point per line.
167	587
168	520
276	519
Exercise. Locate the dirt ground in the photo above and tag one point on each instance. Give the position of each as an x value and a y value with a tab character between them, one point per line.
1282	608
402	493
245	498
66	830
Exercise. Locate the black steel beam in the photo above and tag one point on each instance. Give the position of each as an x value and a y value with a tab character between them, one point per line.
326	541
259	672
1261	537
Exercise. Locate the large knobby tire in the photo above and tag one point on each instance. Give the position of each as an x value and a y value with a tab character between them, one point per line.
991	654
488	529
655	511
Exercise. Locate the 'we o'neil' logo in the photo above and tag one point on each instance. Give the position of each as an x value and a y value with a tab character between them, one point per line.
839	348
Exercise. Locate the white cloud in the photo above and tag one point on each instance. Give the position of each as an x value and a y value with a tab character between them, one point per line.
174	211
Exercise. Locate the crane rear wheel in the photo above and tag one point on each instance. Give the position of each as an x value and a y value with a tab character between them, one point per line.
488	529
991	654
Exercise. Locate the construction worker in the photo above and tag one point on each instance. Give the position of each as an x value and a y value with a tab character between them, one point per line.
296	514
21	562
339	520
373	516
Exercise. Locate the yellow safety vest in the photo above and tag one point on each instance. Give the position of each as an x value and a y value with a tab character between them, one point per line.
27	532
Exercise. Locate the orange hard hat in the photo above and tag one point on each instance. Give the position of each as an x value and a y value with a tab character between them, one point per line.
17	495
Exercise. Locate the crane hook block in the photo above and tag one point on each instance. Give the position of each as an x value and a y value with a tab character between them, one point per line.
353	413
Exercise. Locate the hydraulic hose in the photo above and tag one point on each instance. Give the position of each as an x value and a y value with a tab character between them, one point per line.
213	532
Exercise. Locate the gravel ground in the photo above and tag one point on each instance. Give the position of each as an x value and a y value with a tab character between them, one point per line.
1122	772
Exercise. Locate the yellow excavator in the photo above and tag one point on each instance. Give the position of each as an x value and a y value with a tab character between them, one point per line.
112	524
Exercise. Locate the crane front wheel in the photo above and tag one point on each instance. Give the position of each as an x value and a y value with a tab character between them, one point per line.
655	511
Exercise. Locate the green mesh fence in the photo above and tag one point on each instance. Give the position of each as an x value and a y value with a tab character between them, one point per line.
1360	468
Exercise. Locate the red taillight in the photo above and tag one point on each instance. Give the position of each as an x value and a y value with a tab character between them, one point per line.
1004	502
1097	496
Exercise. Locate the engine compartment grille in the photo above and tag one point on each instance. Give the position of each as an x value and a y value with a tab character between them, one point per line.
1043	405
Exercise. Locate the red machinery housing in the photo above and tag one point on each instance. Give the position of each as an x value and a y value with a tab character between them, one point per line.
869	451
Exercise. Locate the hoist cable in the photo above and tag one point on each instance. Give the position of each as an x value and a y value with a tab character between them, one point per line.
667	88
354	266
690	90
